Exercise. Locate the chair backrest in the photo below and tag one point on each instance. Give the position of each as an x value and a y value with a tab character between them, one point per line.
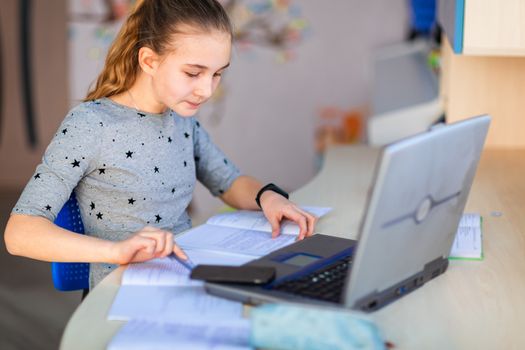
70	276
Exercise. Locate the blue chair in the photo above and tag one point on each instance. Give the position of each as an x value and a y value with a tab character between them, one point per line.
70	276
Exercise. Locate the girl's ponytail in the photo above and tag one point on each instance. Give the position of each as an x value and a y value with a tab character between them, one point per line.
121	66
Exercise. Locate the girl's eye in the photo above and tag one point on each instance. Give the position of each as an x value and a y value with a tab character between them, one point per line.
192	75
217	75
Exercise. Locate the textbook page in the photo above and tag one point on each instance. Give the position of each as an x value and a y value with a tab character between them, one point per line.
175	302
212	257
170	272
158	272
468	243
255	220
234	334
165	289
232	240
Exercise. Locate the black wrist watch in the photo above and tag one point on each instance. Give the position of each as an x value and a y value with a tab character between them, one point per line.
270	187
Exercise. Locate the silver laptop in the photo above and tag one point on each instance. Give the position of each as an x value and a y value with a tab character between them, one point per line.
420	189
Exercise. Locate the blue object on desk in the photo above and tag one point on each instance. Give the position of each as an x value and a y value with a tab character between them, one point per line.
70	276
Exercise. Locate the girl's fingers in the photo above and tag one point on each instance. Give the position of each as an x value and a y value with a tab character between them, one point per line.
300	219
168	247
276	227
311	220
179	252
145	244
160	238
161	243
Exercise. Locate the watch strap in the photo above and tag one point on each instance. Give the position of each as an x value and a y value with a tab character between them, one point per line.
270	187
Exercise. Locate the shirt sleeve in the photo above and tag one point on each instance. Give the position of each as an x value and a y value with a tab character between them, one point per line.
214	169
68	158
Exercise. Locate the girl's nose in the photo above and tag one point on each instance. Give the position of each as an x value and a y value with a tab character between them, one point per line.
204	89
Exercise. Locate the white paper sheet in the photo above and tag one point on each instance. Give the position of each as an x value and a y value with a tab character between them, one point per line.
166	272
255	220
210	257
149	334
135	301
468	243
234	240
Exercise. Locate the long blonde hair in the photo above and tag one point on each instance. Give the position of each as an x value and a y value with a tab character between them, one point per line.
151	24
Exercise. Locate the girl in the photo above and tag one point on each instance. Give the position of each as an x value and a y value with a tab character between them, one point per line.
132	150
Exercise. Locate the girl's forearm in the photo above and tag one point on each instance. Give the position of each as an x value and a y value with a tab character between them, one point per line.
38	238
242	192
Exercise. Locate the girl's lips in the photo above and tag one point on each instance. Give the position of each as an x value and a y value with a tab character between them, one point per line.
193	105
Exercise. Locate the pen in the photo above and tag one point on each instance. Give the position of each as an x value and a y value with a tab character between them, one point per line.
186	263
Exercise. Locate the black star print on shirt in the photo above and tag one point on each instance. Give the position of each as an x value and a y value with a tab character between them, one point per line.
198	124
48	208
157	218
156	169
75	163
131	201
169	139
101	124
101	171
185	164
197	158
225	161
99	215
173	190
186	135
37	176
64	131
142	115
92	205
129	154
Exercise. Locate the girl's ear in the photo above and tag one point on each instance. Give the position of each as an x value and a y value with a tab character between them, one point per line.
148	60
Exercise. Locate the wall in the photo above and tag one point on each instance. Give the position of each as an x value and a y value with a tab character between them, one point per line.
49	65
270	109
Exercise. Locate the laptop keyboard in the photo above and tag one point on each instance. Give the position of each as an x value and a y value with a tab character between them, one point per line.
325	283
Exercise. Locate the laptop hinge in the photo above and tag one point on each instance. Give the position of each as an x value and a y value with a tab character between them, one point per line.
377	300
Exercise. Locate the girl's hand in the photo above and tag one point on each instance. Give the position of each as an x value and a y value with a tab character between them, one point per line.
149	243
276	208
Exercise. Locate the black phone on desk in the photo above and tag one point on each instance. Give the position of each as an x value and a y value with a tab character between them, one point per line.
234	274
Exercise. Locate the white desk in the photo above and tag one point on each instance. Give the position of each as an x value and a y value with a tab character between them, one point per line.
474	305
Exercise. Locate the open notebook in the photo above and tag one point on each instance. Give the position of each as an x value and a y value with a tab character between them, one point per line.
241	233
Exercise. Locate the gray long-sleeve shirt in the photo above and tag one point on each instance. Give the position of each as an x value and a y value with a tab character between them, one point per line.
128	169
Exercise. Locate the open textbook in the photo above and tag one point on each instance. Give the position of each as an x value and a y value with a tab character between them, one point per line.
163	286
246	233
468	243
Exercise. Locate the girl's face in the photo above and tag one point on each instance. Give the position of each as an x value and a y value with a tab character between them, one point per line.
187	77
